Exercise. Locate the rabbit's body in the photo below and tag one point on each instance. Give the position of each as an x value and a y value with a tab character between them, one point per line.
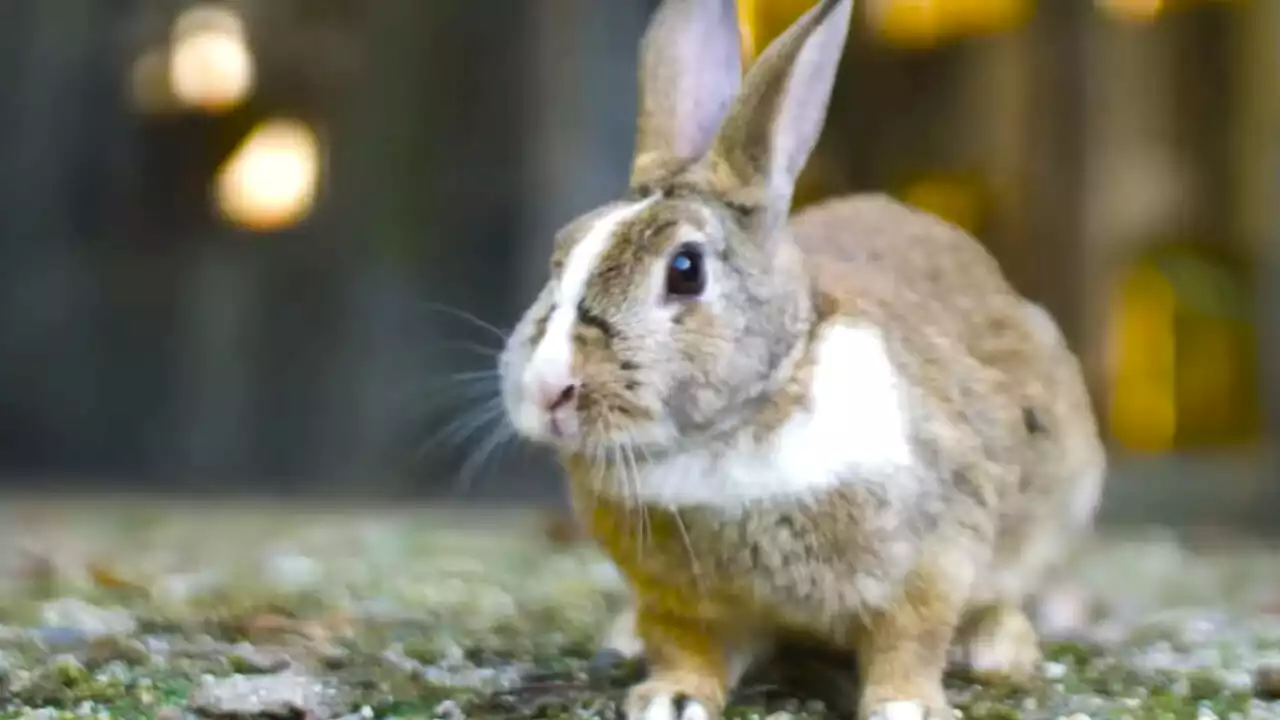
992	363
846	426
818	507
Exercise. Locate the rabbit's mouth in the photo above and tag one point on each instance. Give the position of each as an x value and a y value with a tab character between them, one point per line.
581	422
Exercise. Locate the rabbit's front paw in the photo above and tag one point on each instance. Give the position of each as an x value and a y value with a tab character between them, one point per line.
1000	645
674	698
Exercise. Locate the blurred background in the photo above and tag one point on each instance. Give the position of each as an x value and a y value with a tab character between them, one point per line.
254	245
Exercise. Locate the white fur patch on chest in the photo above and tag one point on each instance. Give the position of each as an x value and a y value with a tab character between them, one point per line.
855	427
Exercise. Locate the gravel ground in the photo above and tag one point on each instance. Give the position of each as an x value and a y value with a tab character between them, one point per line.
176	612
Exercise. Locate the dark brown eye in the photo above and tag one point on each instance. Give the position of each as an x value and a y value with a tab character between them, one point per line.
686	276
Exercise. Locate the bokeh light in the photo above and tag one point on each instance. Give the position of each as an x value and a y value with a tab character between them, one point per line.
211	65
271	180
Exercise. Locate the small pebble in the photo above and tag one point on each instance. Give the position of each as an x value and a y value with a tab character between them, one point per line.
170	713
1267	681
286	695
8	663
292	571
447	710
1054	670
59	638
93	621
111	647
245	657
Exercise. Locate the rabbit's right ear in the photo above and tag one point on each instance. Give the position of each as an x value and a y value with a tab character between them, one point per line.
690	72
769	134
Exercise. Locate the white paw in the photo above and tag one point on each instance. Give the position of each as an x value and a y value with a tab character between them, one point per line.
993	655
621	637
909	710
666	707
1009	650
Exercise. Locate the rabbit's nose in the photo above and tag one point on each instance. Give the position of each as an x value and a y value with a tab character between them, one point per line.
558	395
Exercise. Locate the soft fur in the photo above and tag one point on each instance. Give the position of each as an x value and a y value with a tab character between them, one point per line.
858	434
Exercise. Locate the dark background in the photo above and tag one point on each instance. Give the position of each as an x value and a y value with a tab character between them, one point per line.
1118	157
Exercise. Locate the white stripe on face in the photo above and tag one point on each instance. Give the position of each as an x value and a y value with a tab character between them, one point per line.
551	364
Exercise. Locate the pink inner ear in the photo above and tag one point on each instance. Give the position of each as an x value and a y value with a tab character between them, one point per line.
690	72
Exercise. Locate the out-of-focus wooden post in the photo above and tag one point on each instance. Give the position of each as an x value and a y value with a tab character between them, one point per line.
1256	155
1057	171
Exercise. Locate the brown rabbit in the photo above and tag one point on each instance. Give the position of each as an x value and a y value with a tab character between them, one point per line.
844	426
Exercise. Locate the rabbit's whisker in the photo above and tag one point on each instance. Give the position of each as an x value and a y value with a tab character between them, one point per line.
633	473
694	567
473	347
464	425
464	315
490	448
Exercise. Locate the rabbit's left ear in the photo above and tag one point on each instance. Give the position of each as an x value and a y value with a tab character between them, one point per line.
690	71
773	126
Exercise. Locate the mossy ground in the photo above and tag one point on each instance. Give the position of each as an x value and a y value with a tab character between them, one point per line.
133	611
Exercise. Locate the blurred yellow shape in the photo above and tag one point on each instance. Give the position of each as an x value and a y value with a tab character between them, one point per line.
1133	11
984	16
924	23
915	23
760	21
1143	407
951	199
211	66
271	180
747	28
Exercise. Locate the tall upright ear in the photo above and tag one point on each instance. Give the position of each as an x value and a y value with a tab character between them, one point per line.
690	72
773	126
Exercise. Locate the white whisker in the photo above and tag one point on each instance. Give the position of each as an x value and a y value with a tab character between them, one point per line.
633	471
490	448
473	347
463	314
464	425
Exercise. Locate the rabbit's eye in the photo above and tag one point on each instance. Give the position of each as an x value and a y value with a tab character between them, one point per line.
685	276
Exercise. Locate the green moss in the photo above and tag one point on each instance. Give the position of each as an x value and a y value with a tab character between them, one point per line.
457	591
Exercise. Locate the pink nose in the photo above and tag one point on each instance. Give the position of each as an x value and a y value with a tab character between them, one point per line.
557	396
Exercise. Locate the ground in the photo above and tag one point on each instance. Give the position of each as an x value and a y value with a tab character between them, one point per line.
139	611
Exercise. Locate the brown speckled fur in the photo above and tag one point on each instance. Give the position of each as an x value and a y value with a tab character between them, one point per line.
903	567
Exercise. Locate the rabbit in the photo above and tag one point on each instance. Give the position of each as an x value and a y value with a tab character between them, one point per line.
843	426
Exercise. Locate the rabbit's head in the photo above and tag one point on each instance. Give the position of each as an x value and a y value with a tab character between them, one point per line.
673	309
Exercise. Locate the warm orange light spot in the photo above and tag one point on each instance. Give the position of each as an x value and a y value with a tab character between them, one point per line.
271	179
210	64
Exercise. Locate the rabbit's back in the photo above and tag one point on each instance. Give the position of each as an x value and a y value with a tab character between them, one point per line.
888	252
962	334
1005	391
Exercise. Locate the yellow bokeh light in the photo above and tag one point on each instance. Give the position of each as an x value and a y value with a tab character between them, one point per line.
950	198
748	17
985	16
760	22
210	64
917	23
271	180
925	23
1132	11
1143	368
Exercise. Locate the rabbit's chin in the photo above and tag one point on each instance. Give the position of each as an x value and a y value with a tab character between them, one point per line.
637	445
